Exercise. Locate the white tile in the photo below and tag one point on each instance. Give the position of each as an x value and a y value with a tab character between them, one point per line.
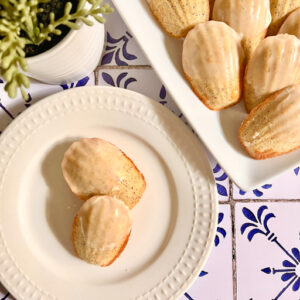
263	260
284	187
120	48
11	108
217	280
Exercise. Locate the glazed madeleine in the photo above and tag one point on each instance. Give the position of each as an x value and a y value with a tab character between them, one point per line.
292	24
251	18
274	65
101	230
272	128
279	10
213	63
177	17
92	166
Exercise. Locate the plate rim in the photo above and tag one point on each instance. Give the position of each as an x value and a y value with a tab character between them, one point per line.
206	167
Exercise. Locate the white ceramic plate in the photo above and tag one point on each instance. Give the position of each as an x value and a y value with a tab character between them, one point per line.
217	130
173	225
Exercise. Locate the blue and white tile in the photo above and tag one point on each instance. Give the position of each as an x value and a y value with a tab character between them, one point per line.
120	48
215	280
286	186
268	251
221	178
142	81
11	108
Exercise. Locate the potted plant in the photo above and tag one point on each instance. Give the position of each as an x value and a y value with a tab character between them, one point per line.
50	40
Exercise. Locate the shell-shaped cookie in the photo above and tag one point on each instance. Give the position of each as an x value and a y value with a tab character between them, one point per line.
291	25
213	63
248	17
101	230
272	128
92	166
279	10
274	65
177	17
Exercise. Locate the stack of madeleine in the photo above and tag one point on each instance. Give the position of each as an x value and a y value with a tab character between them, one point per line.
110	185
248	49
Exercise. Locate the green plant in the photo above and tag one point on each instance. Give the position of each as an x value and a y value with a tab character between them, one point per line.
19	26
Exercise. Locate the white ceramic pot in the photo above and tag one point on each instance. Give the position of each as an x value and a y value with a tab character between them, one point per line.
74	57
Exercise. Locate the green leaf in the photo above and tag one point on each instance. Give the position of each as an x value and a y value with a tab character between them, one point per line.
11	88
99	19
86	21
37	31
68	8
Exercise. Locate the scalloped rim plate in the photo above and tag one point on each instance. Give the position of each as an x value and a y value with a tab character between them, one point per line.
173	225
217	130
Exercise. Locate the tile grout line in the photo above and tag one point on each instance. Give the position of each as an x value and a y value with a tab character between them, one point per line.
129	67
266	200
96	76
233	238
221	202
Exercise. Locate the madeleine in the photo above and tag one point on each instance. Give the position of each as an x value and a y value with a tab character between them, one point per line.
177	17
92	166
213	63
274	65
251	18
272	127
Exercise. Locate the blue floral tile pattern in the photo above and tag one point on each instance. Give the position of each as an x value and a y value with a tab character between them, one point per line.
279	255
259	191
142	81
220	177
116	50
259	225
218	266
81	82
285	187
11	108
122	80
220	230
120	48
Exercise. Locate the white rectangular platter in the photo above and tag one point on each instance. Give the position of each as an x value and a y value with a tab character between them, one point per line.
217	130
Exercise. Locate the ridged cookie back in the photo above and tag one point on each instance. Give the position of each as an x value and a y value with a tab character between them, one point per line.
279	10
272	128
101	229
177	17
213	62
248	17
92	166
274	65
292	24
